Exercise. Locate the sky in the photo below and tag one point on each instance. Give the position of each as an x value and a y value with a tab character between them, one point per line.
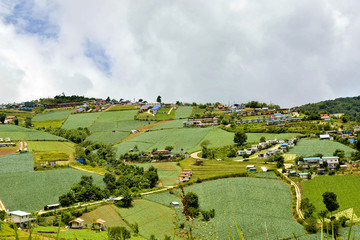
283	52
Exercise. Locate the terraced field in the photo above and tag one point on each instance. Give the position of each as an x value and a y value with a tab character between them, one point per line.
50	146
75	121
107	213
255	204
310	147
169	124
107	137
15	163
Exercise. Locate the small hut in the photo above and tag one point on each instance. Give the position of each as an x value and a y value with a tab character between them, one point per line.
99	224
76	223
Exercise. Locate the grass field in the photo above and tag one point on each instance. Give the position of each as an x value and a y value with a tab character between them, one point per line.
7	232
347	189
107	137
75	121
251	202
197	110
183	112
50	146
31	191
121	108
56	115
153	218
168	172
309	147
21	133
15	163
124	125
185	139
217	138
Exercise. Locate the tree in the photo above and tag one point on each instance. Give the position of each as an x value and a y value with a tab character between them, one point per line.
16	121
357	144
339	153
2	215
322	214
118	233
28	122
240	138
307	207
262	139
127	199
109	178
158	99
329	199
107	100
2	117
169	148
192	200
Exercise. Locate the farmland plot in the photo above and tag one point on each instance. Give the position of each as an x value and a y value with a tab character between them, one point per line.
31	191
183	112
21	133
107	137
255	137
169	124
124	125
347	189
153	218
185	138
55	115
49	146
75	121
310	147
107	213
251	202
217	138
15	163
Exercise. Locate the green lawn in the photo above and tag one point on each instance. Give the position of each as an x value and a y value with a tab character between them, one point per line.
55	115
75	121
255	204
31	191
310	147
153	218
15	163
347	189
107	137
183	112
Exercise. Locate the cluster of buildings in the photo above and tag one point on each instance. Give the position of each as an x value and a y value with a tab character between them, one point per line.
7	142
271	120
206	121
318	162
284	144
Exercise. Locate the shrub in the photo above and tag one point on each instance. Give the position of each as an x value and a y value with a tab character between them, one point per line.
118	233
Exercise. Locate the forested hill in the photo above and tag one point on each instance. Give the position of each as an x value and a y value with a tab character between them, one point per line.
348	105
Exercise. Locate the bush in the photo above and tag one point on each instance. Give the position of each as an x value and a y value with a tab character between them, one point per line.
193	212
118	233
311	225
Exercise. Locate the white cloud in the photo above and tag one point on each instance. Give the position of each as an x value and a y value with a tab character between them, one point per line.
231	51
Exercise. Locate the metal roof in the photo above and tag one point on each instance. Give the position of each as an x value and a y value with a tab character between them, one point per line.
19	213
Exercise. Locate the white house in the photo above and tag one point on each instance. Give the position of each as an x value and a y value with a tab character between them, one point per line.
174	204
325	137
20	218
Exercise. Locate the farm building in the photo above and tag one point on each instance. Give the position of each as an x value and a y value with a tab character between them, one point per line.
175	204
99	224
310	162
251	168
76	223
20	218
325	137
292	173
303	175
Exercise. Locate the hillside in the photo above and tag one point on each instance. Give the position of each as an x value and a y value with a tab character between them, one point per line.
348	105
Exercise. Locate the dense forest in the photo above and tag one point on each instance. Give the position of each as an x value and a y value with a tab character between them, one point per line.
348	105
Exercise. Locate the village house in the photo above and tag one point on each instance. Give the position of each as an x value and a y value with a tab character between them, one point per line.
311	162
99	224
251	168
77	223
304	175
20	218
331	161
175	204
325	137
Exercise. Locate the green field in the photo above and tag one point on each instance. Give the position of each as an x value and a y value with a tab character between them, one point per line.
15	163
121	108
197	110
170	124
75	121
168	172
217	138
251	202
162	113
47	124
185	138
153	218
347	189
310	147
183	112
56	115
31	191
107	137
124	125
21	133
49	146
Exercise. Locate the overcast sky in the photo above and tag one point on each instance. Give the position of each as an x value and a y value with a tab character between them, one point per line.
285	52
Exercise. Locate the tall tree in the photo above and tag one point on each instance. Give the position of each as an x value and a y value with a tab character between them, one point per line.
329	199
240	138
158	99
2	117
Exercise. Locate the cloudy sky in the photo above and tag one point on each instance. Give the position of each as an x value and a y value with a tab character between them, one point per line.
285	51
